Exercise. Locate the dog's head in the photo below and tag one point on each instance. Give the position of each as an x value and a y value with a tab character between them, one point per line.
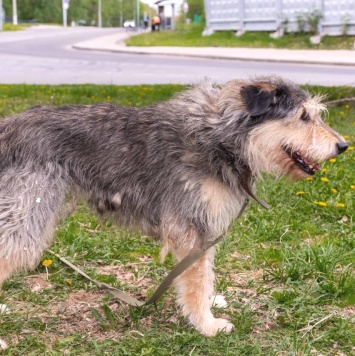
285	133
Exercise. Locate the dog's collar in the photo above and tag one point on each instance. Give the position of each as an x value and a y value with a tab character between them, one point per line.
245	181
244	172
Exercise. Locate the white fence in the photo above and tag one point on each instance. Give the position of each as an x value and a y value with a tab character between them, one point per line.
338	16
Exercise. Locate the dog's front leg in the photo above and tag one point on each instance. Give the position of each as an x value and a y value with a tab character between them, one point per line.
195	287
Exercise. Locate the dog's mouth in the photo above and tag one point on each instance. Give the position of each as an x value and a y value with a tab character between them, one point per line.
305	164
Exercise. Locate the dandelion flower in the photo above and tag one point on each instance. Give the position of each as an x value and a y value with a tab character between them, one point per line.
324	179
321	203
299	193
332	160
340	205
309	178
47	263
352	187
334	190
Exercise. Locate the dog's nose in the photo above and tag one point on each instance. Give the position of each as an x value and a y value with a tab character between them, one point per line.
342	147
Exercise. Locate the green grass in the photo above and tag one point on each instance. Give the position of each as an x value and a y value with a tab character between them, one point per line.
11	27
287	273
191	36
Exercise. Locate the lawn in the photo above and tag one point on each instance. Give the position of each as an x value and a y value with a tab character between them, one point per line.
288	273
191	36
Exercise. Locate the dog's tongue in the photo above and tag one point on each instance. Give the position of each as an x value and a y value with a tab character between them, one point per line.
315	166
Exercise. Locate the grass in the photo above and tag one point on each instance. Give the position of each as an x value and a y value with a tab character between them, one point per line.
11	27
287	273
191	36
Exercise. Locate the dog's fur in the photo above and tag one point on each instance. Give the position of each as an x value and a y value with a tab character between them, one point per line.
178	170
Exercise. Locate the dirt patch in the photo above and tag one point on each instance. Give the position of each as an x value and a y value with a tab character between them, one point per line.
132	274
37	283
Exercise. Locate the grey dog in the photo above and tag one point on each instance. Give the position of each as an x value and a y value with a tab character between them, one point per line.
180	171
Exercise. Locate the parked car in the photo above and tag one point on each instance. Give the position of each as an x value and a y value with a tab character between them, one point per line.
129	24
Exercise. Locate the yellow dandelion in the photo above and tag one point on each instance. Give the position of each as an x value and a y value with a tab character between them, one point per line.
340	205
309	178
332	160
324	179
325	170
47	263
300	193
321	203
352	187
69	282
334	190
347	106
346	136
341	113
351	148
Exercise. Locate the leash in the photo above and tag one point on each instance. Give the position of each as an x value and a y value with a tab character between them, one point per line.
183	265
175	272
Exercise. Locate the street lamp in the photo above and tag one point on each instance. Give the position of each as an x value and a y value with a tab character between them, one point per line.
138	16
99	22
14	12
0	15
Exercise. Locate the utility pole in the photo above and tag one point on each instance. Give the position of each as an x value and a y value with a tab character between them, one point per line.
138	16
121	13
65	6
14	12
1	15
99	21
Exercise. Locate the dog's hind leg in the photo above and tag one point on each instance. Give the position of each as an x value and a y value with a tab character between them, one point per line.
29	206
195	288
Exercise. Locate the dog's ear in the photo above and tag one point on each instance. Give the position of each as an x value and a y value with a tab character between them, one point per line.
257	100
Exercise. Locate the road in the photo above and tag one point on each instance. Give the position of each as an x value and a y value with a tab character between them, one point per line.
44	55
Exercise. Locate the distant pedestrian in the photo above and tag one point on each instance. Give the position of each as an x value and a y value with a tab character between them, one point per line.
145	20
156	23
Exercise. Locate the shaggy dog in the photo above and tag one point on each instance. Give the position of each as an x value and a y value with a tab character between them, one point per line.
180	171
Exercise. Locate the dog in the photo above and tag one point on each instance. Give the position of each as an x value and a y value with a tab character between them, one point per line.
180	171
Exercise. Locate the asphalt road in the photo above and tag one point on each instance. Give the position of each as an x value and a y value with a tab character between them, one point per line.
43	55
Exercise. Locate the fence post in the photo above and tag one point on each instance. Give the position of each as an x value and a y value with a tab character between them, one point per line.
321	9
241	15
278	14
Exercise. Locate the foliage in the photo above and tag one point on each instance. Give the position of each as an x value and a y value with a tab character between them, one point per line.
11	27
288	273
309	19
51	11
313	17
196	7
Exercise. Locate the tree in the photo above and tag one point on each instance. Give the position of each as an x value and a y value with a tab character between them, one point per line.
196	7
51	11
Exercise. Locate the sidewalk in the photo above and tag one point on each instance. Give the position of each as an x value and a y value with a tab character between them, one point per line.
115	43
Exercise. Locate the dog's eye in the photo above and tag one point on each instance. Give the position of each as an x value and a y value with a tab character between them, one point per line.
305	116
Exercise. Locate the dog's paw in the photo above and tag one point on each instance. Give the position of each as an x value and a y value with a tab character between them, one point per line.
217	325
219	301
